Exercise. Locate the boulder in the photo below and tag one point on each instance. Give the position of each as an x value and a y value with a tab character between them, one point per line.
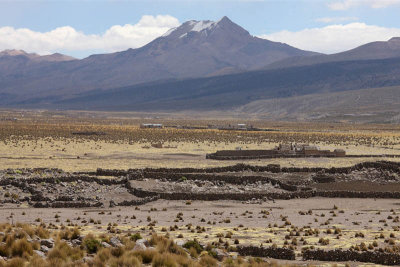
139	246
142	244
143	241
115	242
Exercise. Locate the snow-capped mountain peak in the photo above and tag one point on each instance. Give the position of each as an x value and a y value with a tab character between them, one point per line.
197	26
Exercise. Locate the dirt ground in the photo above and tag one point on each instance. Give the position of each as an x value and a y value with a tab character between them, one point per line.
249	223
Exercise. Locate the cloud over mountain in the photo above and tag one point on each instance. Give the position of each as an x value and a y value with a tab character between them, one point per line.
116	38
334	38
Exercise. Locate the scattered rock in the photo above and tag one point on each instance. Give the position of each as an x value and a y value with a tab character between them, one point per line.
105	244
220	254
112	204
44	249
180	242
76	242
47	242
234	255
87	259
40	253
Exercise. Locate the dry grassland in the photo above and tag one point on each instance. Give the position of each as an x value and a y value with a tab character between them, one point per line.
49	141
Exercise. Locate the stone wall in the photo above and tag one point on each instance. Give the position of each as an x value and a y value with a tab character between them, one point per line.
270	252
347	255
231	179
250	196
381	165
322	255
66	204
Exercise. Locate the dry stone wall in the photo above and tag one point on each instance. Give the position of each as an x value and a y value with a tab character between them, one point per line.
270	252
347	255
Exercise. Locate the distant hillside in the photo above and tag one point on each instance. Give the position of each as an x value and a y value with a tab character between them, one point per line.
365	105
35	57
374	50
15	63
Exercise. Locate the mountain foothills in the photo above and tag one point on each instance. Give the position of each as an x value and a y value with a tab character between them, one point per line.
210	66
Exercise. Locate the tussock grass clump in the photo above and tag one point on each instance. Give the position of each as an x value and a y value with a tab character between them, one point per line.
208	261
62	252
146	256
127	259
21	248
69	234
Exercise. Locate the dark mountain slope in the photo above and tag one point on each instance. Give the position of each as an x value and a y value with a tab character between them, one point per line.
230	91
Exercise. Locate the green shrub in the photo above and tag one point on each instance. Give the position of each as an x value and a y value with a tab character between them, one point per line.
92	245
136	236
193	244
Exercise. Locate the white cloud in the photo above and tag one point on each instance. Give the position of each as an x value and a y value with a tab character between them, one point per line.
334	38
347	4
336	19
116	38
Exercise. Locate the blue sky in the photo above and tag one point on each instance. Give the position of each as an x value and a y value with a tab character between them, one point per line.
342	24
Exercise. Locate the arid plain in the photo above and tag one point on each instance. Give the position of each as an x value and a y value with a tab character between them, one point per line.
103	176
